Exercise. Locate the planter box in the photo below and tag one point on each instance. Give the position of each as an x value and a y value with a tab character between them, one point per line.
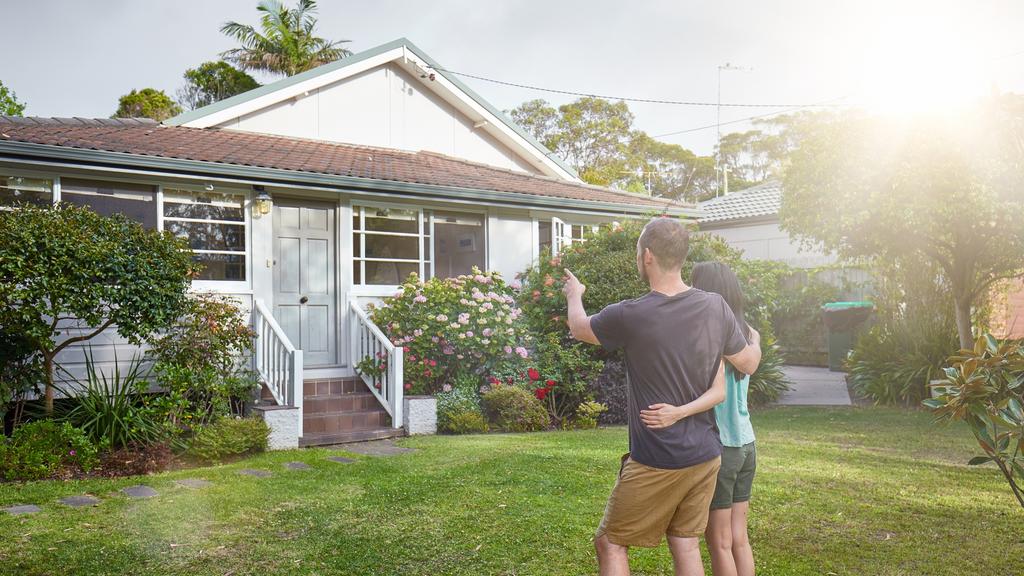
932	384
284	425
420	414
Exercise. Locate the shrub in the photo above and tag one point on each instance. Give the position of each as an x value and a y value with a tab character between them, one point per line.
229	437
468	422
113	410
769	381
587	414
449	328
69	262
21	371
512	409
45	449
609	388
893	363
453	407
201	362
985	388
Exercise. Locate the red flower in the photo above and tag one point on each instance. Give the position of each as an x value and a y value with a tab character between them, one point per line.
541	393
433	363
405	349
408	386
427	372
533	374
492	380
509	380
550	384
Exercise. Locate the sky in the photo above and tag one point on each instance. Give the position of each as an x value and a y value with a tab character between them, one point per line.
75	58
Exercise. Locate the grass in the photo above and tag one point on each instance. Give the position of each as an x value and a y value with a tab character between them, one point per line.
839	491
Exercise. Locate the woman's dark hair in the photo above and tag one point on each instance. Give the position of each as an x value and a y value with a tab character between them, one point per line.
718	278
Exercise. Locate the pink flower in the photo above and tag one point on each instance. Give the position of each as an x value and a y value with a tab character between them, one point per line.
508	349
441	318
448	350
516	285
522	352
446	388
479	278
464	318
487	332
408	386
469	334
405	349
421	298
434	339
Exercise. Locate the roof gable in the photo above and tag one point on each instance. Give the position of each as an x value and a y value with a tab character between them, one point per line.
402	53
759	201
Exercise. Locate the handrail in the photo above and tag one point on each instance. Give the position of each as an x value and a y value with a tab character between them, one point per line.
368	341
278	361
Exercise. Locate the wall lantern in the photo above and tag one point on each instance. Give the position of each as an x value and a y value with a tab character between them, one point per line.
263	200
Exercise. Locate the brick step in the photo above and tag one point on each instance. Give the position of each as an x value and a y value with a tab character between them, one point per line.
332	422
329	438
353	402
333	386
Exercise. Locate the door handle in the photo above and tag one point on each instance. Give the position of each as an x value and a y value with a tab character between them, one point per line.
303	300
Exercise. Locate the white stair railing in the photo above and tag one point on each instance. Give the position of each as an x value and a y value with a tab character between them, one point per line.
368	341
278	362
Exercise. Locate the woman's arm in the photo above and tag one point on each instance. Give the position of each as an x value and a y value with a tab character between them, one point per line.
659	416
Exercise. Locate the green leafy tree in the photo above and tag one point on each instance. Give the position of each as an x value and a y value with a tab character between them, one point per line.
147	103
667	170
213	81
9	104
67	274
285	44
946	190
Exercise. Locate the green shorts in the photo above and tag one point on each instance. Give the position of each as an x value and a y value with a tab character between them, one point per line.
735	477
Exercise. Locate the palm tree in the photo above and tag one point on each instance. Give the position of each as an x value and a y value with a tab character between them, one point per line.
285	44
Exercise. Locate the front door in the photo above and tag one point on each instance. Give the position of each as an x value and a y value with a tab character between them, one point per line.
304	278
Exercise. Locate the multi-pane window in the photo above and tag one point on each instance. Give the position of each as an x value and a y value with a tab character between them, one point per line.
215	226
557	234
135	201
16	189
388	244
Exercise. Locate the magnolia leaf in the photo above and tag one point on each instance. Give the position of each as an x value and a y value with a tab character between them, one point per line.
977	460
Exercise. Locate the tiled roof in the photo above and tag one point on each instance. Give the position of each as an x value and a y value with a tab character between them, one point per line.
143	137
761	200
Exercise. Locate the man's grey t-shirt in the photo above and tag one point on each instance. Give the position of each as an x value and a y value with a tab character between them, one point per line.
673	345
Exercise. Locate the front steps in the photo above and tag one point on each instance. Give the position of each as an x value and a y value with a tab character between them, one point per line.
342	410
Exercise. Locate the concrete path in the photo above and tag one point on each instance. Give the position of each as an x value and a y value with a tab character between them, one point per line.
812	386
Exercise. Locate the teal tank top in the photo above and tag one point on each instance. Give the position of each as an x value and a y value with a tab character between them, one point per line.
734	426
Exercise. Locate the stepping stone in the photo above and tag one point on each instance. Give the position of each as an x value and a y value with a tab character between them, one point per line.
193	483
340	459
297	466
80	501
138	492
377	448
256	473
23	509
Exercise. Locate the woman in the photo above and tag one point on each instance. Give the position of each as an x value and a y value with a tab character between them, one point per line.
726	533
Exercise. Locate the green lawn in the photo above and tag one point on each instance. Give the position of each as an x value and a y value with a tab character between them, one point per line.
840	491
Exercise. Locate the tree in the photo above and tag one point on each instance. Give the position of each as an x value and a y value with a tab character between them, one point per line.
211	82
67	274
147	103
945	189
667	170
9	104
285	44
539	118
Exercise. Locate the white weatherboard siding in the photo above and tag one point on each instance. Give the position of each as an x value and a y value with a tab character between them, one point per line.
384	107
767	241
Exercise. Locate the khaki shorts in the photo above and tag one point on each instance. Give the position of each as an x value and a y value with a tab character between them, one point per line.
649	503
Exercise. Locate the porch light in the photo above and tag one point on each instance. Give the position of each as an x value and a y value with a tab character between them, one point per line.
263	200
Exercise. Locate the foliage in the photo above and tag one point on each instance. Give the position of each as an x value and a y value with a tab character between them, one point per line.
201	361
797	317
984	388
9	104
147	103
212	82
451	327
44	449
769	382
587	414
114	411
563	371
458	411
512	409
229	437
21	371
609	388
285	44
937	189
67	264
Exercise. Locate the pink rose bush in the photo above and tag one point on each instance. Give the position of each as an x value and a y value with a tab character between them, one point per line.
451	327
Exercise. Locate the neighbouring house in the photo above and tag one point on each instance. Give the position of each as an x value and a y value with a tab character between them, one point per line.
308	197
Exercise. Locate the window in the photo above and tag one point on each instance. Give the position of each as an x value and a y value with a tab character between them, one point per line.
15	189
391	243
388	244
557	234
215	226
135	201
458	243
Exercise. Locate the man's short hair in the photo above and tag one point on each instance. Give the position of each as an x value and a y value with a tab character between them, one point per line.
668	240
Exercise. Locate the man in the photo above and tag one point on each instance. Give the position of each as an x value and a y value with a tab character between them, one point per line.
674	339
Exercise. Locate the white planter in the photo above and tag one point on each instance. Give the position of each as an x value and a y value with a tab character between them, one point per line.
420	414
284	425
933	383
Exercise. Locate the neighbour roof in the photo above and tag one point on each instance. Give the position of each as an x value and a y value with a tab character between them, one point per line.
134	138
348	61
757	201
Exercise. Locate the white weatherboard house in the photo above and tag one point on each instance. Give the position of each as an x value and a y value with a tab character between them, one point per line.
309	196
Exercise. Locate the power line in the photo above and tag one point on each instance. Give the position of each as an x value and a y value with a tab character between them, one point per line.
749	118
623	98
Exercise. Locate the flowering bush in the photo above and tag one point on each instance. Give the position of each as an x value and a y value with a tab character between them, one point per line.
587	414
45	449
451	327
458	412
512	409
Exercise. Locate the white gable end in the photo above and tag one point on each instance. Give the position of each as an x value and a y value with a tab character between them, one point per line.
385	106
